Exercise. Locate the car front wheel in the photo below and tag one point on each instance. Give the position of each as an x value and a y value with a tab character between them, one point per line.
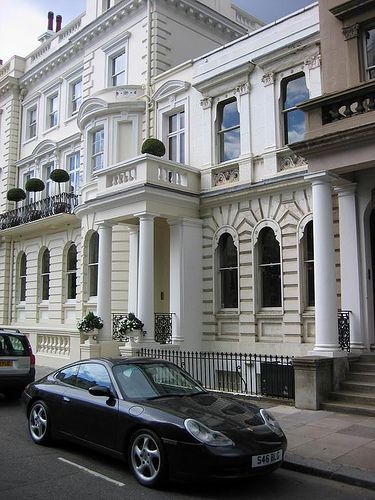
147	459
39	423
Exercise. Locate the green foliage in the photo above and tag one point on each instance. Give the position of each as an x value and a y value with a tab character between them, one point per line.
90	322
59	175
153	147
127	324
34	185
16	194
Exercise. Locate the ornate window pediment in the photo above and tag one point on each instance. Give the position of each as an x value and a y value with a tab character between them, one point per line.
44	147
173	87
89	109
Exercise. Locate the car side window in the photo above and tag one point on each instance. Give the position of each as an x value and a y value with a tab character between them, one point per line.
11	345
91	374
68	375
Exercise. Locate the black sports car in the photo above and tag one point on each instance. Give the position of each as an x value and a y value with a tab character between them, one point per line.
158	416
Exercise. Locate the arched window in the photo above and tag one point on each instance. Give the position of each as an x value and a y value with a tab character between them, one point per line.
228	272
228	130
71	272
22	277
269	268
93	264
308	264
294	91
45	268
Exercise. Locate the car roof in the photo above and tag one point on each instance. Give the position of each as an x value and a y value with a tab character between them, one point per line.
13	331
121	361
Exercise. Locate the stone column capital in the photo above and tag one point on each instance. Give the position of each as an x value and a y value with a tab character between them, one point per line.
347	190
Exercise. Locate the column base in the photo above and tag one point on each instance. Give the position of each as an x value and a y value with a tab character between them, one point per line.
357	348
90	350
328	351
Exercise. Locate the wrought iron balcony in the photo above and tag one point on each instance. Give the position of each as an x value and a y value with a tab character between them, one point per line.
343	318
63	203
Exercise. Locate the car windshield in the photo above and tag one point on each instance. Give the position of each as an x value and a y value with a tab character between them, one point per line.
154	380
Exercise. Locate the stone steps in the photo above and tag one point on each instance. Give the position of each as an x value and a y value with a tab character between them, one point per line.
357	393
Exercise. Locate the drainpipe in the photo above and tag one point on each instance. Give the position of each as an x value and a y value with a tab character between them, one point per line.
148	74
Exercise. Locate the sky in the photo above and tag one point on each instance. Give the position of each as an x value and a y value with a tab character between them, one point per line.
23	21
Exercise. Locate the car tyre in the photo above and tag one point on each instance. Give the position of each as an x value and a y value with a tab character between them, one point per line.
40	423
147	458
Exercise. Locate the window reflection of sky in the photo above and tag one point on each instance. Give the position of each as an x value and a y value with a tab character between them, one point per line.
295	93
231	145
370	47
231	117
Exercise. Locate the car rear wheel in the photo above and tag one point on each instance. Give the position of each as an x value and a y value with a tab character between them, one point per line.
39	423
147	459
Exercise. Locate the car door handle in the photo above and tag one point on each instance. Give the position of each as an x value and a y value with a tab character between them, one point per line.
66	399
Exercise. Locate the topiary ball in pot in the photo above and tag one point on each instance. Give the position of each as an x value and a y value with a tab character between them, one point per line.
16	194
59	175
34	185
153	147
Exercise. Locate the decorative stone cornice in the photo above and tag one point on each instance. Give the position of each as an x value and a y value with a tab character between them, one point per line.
350	32
292	161
170	89
9	86
243	88
226	177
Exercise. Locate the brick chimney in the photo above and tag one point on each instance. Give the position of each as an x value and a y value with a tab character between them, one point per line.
58	23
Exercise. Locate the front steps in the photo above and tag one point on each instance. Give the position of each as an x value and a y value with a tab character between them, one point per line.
357	393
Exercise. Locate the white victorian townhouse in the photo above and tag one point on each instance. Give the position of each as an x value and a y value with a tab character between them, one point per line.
126	225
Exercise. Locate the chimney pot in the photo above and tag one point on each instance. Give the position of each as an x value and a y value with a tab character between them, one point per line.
58	23
50	21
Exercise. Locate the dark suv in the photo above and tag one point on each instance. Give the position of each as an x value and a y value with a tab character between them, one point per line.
17	362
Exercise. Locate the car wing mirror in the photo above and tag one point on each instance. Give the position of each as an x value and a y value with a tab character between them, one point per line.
101	390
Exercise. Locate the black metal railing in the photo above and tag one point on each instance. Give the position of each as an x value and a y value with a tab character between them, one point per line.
252	374
58	204
343	318
163	328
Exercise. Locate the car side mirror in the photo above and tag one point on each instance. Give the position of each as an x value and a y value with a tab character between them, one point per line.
100	390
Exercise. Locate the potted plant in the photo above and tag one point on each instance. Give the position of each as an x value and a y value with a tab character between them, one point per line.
129	329
16	195
89	325
60	176
153	146
34	185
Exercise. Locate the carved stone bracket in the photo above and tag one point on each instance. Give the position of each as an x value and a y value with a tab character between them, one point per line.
313	61
268	79
352	31
206	102
226	177
292	161
243	89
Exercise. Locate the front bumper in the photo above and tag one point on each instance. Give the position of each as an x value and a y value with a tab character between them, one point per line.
197	461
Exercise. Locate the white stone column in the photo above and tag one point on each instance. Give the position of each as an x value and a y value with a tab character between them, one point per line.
326	332
105	279
350	265
133	270
243	104
186	282
205	144
146	274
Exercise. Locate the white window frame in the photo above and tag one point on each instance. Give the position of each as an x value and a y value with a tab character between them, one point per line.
74	187
70	272
30	196
100	153
52	116
31	125
75	100
367	68
112	50
44	275
22	278
178	133
49	183
302	264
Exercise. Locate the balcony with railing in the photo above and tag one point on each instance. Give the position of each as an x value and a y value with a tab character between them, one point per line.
63	203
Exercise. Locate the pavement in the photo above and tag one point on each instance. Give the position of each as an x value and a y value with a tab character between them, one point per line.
332	445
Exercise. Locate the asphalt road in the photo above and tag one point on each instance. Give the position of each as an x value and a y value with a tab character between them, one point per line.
67	471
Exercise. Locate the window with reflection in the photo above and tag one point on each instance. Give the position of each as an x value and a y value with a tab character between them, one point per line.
45	274
369	35
269	268
228	130
22	277
118	69
308	262
97	153
90	374
294	91
71	272
93	264
228	272
176	137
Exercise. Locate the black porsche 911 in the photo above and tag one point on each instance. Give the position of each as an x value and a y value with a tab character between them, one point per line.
155	414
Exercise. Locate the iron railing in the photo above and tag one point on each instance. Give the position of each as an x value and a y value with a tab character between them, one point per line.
343	318
252	374
163	328
58	204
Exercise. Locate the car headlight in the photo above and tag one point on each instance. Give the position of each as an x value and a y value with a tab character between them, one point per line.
271	422
206	435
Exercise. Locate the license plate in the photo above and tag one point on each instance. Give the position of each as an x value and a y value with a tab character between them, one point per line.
267	458
6	363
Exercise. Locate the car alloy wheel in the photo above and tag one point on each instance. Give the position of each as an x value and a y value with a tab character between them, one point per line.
146	458
39	423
